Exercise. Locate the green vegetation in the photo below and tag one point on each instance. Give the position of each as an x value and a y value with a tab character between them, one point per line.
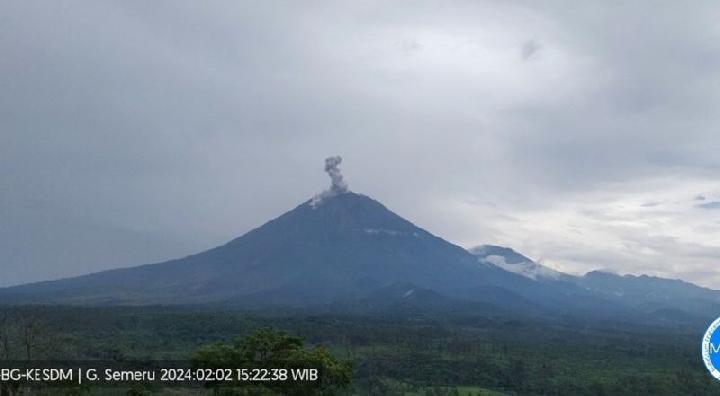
443	355
267	348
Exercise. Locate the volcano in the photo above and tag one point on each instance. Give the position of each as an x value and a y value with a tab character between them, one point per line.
345	250
343	246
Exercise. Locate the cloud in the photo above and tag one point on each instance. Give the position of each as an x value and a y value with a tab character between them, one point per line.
651	204
409	45
529	49
146	122
709	205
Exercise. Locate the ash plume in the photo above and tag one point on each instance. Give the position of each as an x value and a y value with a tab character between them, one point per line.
337	184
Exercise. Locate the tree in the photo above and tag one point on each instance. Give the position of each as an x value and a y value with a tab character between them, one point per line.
4	335
267	348
31	330
5	388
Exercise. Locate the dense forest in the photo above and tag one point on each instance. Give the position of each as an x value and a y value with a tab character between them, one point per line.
386	354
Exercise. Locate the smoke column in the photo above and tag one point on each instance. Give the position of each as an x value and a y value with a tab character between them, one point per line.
337	184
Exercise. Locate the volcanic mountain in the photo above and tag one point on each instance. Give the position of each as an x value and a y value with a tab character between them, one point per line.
345	245
347	251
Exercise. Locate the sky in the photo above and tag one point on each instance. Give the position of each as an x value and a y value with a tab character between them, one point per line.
583	135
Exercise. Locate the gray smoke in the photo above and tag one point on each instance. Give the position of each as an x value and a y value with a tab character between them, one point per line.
337	184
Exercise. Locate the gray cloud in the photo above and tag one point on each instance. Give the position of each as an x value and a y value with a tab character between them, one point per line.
136	127
529	49
710	205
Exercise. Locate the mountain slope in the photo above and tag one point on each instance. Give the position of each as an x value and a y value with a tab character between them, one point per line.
344	246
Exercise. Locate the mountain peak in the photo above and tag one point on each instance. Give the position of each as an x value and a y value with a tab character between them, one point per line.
510	255
512	261
338	185
347	210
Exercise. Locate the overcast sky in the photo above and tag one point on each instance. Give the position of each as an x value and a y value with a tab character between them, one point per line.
583	135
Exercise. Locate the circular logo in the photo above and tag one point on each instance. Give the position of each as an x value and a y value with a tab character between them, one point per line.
711	349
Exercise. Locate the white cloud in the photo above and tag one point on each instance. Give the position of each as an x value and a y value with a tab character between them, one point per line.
613	228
